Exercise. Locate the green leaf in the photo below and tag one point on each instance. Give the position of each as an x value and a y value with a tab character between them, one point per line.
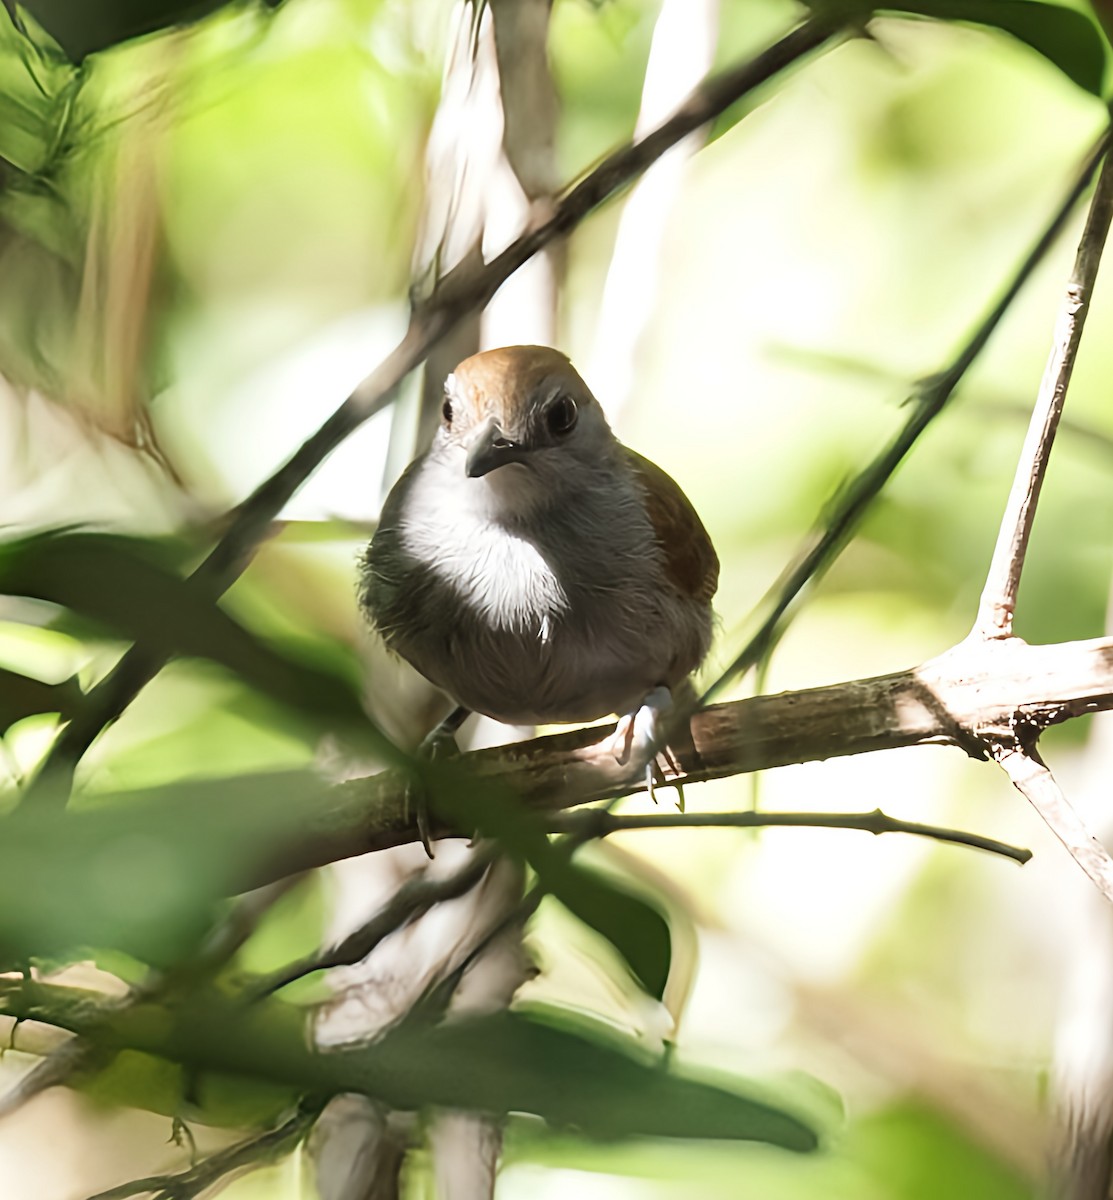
21	696
82	27
637	930
570	1072
919	1153
1064	36
125	584
140	874
577	1073
134	1079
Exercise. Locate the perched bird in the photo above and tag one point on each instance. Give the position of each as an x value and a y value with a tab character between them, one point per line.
533	567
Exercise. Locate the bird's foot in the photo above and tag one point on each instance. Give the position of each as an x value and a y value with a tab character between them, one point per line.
440	742
639	738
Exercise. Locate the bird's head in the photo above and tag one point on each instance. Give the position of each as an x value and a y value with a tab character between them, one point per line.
523	405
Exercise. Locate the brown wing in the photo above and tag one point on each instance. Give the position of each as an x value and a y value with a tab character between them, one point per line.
690	559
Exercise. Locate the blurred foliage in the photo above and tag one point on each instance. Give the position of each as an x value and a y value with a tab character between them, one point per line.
569	1071
82	27
206	217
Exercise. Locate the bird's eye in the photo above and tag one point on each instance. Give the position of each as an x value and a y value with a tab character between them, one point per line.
446	411
561	416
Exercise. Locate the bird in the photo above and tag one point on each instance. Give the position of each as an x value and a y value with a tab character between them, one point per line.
533	567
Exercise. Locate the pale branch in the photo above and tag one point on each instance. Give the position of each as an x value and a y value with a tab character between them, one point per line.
1014	748
415	897
926	403
462	291
599	823
998	600
1035	782
973	696
251	1152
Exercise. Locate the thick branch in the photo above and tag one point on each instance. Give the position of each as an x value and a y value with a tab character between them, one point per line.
973	696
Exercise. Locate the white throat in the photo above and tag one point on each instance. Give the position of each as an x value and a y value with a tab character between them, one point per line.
465	530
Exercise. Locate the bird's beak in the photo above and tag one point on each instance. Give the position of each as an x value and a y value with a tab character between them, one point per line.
489	449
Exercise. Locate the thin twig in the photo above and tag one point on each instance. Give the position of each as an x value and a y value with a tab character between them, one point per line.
927	402
461	291
254	1151
416	896
600	823
1035	782
998	600
589	823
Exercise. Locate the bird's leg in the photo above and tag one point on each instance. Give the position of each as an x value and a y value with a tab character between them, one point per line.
439	743
639	738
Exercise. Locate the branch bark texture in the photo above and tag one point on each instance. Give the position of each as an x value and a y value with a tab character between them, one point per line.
977	696
998	602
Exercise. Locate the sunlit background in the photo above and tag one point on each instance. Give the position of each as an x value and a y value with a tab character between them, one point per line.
251	189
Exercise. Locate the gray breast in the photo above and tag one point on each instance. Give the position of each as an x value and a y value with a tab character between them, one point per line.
563	617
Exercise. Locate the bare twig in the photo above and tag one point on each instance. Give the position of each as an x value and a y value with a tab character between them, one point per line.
251	1152
1014	745
998	601
927	402
462	291
416	896
600	823
1036	783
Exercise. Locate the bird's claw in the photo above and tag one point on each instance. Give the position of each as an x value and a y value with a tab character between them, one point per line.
440	743
415	809
656	775
638	738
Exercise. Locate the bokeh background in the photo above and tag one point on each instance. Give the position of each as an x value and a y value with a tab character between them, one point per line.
208	237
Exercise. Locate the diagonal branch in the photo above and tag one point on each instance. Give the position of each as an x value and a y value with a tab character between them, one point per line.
416	896
998	601
1036	783
927	402
966	697
462	291
1014	745
251	1152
